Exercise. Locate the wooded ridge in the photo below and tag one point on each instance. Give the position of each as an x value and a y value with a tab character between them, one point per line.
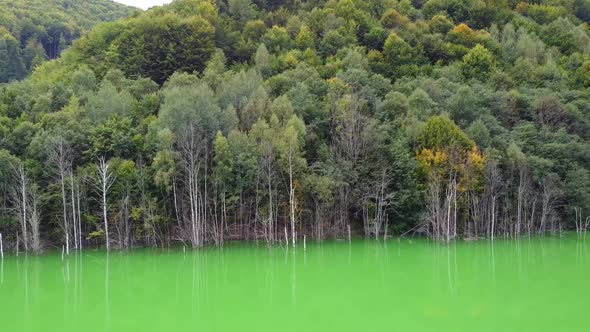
34	31
202	122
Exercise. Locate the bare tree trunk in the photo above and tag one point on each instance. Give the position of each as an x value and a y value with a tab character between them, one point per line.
578	220
78	210
34	219
20	198
74	217
193	211
493	215
521	188
349	233
24	195
449	200
178	219
105	180
549	198
205	202
318	220
454	233
125	219
65	216
291	194
223	220
60	157
286	237
530	226
435	223
270	209
190	145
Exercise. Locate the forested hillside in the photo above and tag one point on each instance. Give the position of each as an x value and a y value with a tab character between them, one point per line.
202	122
33	31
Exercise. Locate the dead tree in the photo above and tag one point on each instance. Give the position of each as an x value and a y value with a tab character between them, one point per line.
60	158
191	143
26	202
549	197
581	223
290	157
75	221
433	216
104	181
381	199
34	218
19	197
352	140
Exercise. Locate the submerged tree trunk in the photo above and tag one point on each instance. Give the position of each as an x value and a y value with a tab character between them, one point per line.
26	201
105	180
79	192
60	157
190	143
74	216
291	195
20	193
35	219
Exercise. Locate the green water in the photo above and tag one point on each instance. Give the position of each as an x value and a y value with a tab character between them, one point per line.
526	285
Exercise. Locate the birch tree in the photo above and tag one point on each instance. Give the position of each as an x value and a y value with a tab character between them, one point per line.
192	114
26	202
291	148
60	159
20	193
453	164
519	168
104	180
266	137
34	221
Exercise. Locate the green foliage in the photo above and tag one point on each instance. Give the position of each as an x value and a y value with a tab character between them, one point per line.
478	63
440	133
114	138
33	31
541	13
190	106
229	101
159	46
11	62
108	102
400	57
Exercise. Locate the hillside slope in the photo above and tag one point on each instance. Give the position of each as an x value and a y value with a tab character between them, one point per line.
32	31
246	120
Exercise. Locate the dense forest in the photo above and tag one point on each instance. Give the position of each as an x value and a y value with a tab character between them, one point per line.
202	122
34	31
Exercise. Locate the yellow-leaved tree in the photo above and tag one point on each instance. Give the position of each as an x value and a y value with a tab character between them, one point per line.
454	166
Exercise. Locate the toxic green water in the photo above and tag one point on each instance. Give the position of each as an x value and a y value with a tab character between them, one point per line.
526	285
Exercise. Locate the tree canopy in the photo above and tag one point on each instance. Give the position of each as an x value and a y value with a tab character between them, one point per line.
34	31
234	120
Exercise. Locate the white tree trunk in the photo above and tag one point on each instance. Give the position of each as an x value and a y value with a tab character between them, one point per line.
106	179
65	213
291	195
24	197
104	214
74	217
34	220
60	157
79	216
19	195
